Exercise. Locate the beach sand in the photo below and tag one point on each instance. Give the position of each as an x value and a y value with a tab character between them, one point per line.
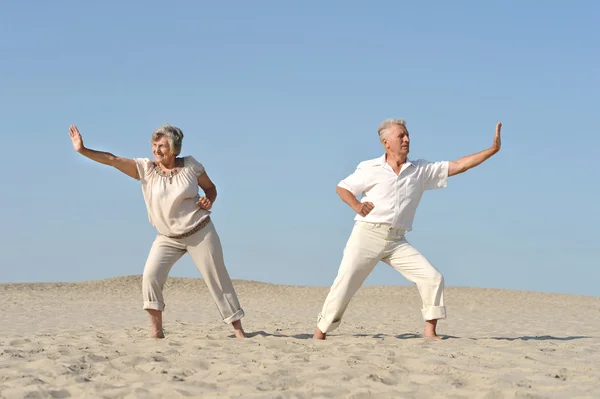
90	340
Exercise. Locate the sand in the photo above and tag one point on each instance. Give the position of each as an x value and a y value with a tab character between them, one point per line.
90	340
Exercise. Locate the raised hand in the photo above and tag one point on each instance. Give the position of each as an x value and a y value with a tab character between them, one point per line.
497	140
204	203
76	138
364	208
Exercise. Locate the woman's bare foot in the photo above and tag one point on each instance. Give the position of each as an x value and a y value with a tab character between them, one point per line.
239	331
156	323
157	334
319	335
430	330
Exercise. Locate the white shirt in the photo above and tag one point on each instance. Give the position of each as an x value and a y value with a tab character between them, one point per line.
395	197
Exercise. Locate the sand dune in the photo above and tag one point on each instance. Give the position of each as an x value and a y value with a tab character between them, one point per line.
89	339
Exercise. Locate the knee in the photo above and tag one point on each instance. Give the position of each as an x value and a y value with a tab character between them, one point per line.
150	278
437	278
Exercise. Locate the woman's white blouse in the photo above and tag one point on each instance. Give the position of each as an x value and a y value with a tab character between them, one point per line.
171	197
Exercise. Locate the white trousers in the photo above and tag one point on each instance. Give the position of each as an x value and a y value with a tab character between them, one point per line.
205	249
370	243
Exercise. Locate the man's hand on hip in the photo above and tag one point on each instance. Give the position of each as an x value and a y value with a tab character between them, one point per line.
363	208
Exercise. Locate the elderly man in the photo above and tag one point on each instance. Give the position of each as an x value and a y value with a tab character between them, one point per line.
392	186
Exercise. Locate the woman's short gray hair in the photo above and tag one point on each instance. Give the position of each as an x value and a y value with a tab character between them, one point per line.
173	134
383	127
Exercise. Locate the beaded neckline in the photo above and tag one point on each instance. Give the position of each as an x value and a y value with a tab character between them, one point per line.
179	163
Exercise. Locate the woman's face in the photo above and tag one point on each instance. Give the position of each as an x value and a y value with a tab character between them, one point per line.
161	150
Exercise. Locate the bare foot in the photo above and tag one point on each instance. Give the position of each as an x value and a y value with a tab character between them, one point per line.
430	330
156	323
157	334
239	331
319	335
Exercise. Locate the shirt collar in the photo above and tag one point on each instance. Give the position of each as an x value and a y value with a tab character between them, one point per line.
382	162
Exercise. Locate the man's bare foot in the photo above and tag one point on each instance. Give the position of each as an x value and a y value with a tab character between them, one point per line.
319	335
430	330
239	331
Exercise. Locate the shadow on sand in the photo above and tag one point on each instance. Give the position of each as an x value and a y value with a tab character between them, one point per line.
540	338
277	335
420	336
522	338
402	336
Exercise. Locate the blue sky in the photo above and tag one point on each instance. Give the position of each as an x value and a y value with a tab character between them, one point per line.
280	102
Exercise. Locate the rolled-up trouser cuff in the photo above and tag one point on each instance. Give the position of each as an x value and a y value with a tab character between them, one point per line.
434	312
326	326
154	305
235	317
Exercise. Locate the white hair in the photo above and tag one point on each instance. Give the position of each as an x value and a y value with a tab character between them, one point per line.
173	134
386	124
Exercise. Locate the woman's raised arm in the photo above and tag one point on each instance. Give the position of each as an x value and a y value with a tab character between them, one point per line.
125	165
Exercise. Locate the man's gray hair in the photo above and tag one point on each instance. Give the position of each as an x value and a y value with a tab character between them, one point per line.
173	134
386	124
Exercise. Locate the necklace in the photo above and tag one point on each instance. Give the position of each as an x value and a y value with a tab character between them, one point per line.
169	174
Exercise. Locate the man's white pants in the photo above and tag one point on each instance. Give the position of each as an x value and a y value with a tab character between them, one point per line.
370	243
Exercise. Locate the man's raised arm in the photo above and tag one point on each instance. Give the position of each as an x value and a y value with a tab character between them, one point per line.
470	161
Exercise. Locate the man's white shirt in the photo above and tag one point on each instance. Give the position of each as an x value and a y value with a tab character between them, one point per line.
395	197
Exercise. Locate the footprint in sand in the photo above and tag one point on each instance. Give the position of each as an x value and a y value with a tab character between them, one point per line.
19	342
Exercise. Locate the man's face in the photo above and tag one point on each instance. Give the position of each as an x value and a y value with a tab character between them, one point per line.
397	140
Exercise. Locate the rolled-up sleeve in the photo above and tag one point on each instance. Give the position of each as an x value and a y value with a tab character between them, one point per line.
356	183
435	174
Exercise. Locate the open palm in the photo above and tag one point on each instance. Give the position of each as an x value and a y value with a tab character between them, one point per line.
76	138
497	139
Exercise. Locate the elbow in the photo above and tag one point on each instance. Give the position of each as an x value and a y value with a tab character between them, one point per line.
463	168
112	160
212	191
456	168
343	192
454	172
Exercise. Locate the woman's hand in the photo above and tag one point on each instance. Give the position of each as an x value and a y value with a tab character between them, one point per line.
76	138
127	166
204	203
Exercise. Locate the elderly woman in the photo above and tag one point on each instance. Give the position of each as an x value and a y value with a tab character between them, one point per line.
181	218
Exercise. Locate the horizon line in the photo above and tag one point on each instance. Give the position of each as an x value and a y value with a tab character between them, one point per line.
139	276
